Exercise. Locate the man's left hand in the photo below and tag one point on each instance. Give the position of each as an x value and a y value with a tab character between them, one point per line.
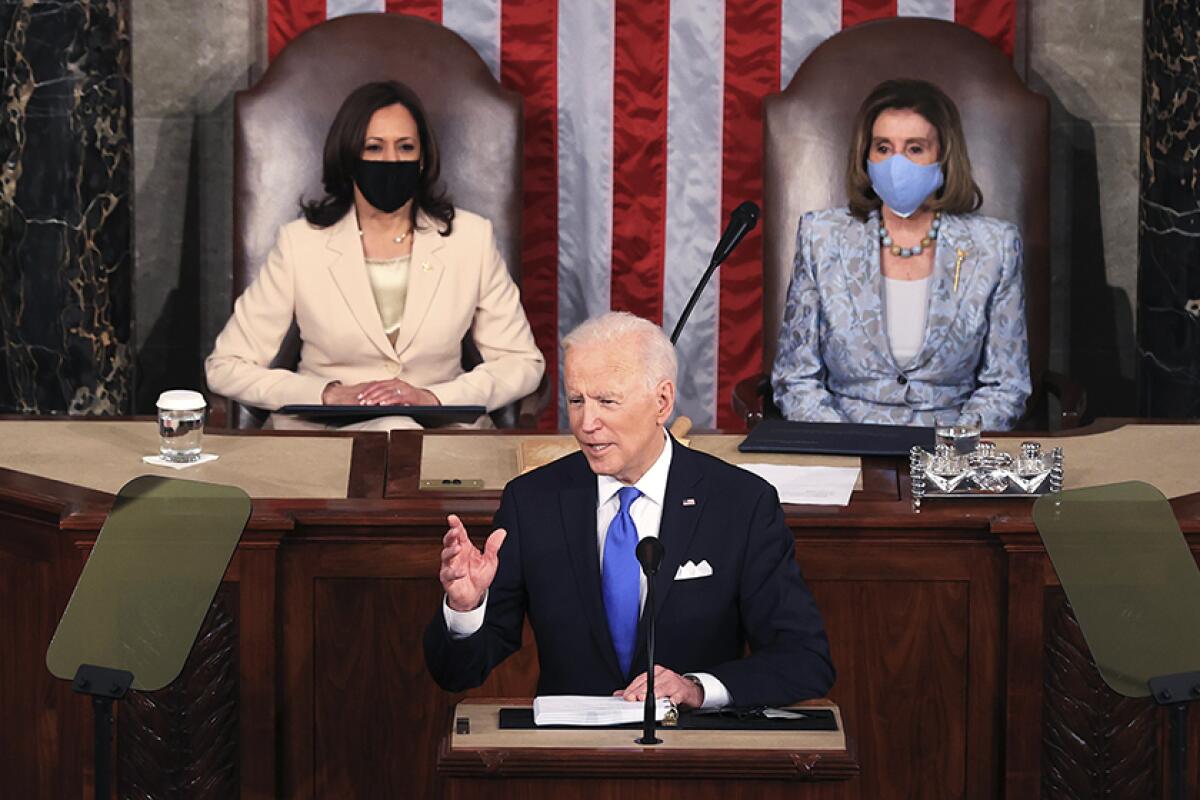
679	690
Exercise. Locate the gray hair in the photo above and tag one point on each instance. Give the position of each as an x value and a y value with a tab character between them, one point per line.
659	362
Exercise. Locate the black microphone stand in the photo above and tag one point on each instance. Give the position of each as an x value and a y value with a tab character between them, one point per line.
741	222
649	554
691	303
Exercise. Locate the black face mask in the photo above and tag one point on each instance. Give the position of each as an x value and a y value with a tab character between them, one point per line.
387	185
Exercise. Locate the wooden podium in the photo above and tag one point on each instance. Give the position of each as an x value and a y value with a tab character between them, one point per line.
488	762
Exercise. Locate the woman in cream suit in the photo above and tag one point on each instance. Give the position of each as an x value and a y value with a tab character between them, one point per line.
907	306
384	278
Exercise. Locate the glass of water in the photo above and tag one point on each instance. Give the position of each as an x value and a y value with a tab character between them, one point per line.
959	432
180	425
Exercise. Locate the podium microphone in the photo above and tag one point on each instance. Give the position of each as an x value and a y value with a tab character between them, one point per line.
649	554
741	221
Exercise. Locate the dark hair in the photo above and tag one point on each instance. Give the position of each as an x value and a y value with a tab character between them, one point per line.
344	144
959	194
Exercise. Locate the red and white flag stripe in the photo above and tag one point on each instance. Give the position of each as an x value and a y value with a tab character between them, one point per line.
643	132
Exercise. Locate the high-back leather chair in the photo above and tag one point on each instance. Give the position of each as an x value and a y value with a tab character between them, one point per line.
280	126
808	127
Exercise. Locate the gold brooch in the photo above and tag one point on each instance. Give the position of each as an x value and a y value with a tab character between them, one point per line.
959	254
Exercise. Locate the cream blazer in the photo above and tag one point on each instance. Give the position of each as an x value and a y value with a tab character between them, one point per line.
317	276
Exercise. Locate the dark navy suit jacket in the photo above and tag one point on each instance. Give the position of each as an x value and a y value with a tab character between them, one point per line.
550	570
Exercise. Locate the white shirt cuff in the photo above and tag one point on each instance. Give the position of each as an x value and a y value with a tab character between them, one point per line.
462	624
715	693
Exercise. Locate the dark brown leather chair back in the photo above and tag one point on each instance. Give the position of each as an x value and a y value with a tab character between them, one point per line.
808	127
280	126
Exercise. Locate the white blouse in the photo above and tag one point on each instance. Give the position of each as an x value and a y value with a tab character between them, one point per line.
907	304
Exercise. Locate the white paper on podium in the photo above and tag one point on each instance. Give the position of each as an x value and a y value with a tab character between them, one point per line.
818	486
578	709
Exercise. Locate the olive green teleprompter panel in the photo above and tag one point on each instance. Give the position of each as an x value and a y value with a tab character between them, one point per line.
1130	578
150	579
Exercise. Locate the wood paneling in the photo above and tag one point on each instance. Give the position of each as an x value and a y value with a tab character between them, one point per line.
40	739
1095	742
375	716
25	627
375	731
917	660
900	647
182	741
258	663
635	789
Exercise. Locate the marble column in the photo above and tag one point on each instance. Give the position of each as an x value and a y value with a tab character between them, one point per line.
65	207
1169	213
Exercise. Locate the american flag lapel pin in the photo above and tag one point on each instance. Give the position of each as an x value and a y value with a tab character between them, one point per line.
689	501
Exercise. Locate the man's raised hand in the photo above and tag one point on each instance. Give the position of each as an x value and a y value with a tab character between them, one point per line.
467	572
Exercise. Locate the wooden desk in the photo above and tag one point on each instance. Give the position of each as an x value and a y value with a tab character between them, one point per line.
960	670
491	763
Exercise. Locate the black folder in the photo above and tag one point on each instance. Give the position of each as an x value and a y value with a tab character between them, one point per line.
814	719
427	416
835	438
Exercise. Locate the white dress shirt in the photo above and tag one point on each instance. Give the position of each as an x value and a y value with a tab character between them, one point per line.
646	512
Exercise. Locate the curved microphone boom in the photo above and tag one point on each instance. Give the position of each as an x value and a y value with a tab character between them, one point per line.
741	221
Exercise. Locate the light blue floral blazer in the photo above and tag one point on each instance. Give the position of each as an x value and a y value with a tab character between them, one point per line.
835	361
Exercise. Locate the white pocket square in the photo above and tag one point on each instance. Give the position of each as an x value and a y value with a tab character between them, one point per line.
687	571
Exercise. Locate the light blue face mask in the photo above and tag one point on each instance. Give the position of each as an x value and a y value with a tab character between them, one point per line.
903	185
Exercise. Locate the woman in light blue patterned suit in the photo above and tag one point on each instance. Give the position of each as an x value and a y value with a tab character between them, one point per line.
907	304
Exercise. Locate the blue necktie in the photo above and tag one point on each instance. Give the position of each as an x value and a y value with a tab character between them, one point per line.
620	577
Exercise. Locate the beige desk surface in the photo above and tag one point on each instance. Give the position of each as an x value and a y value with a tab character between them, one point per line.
486	734
496	459
105	455
1164	456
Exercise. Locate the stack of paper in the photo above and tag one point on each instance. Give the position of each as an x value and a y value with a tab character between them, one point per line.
818	486
578	709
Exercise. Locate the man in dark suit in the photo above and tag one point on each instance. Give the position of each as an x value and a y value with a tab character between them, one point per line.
563	554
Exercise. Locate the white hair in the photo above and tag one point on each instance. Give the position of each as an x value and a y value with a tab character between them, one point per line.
658	360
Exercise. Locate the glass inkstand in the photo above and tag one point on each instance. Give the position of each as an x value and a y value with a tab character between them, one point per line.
984	472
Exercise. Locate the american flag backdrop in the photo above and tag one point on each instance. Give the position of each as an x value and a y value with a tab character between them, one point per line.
643	131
